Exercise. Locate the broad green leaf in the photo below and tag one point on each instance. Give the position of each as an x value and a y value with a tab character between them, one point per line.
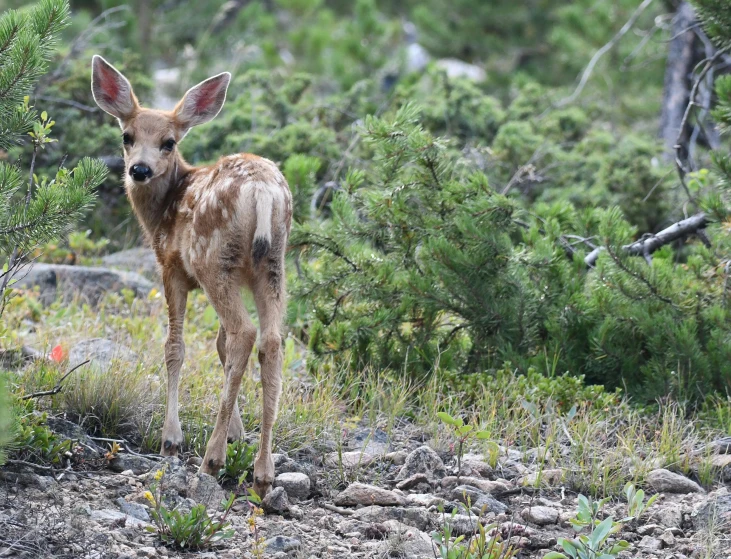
446	418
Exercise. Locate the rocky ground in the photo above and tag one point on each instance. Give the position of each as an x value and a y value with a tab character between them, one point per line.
366	501
378	496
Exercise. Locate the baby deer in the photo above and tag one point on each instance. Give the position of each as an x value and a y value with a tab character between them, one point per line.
218	227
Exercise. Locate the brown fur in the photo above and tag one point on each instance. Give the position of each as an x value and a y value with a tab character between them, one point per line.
202	223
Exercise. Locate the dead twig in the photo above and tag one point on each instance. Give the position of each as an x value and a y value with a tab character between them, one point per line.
650	243
59	385
598	54
333	508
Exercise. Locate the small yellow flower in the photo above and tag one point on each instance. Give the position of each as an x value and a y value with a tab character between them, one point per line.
158	475
147	495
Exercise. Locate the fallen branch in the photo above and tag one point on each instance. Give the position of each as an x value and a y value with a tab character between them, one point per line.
650	243
333	508
56	389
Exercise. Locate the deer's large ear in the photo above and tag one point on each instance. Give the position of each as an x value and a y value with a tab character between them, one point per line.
112	91
202	102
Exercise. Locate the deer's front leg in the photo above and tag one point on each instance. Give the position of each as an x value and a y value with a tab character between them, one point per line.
176	295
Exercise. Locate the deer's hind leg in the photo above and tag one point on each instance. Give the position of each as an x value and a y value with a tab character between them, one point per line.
223	293
269	295
235	427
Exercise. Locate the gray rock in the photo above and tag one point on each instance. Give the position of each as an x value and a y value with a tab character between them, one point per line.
667	516
89	283
296	485
397	458
28	479
540	515
133	509
351	459
424	500
110	516
175	479
405	542
138	464
102	352
545	477
475	498
141	260
722	445
669	482
462	524
487	486
282	543
713	511
204	488
722	463
649	543
456	68
276	502
412	481
423	460
363	494
416	517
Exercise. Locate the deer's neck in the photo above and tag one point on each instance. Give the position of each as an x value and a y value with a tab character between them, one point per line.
151	201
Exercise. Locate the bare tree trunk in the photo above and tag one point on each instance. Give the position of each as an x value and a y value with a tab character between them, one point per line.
677	78
144	22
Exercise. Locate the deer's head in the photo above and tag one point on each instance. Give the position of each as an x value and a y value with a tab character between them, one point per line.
150	136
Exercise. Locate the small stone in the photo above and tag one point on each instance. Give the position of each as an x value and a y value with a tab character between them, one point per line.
540	515
204	488
425	461
424	500
475	498
415	517
147	552
546	478
649	543
134	509
363	494
397	458
412	481
487	486
349	460
667	539
276	501
296	485
131	464
649	529
669	516
462	524
722	462
669	482
282	544
715	510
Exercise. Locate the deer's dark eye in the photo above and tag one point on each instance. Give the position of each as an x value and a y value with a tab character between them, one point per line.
168	145
126	139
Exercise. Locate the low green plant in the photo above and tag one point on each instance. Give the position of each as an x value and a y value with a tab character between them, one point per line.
239	461
33	441
463	434
587	513
194	530
593	545
485	543
636	504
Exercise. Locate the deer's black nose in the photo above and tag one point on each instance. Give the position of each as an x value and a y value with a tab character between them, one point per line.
140	172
